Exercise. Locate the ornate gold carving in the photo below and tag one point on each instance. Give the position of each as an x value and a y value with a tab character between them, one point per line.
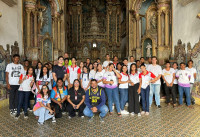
180	53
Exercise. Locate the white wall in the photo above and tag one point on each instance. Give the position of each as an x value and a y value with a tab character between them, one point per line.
11	24
186	24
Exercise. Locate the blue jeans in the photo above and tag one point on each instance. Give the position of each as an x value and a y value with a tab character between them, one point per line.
154	89
181	90
123	97
113	94
145	99
23	99
103	111
43	114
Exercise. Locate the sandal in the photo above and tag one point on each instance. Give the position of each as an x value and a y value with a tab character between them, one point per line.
119	114
110	113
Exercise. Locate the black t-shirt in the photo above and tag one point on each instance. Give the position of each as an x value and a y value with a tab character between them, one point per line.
59	70
80	93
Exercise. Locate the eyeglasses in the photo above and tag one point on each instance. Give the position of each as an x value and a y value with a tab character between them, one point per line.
76	82
44	88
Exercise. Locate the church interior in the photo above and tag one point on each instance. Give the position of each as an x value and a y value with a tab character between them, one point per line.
42	30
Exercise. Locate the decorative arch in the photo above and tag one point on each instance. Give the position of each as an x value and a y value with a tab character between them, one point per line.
148	36
136	6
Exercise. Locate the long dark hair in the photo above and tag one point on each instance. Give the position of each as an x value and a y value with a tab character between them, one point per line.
78	82
42	93
42	73
88	71
133	64
38	63
122	69
33	71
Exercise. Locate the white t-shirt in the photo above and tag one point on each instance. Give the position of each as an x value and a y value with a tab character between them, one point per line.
110	76
92	73
124	77
73	73
156	70
99	76
192	72
146	78
85	77
42	81
129	65
106	63
183	76
37	72
175	80
25	85
51	78
15	71
134	78
168	75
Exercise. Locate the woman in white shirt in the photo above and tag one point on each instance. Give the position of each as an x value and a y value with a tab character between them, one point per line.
99	76
123	88
38	69
42	79
111	87
168	75
26	82
94	70
85	79
133	100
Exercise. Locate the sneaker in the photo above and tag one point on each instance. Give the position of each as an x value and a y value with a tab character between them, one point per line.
101	119
147	113
11	112
39	123
17	116
139	115
82	116
159	106
30	110
132	113
142	113
64	113
25	115
126	105
124	112
69	117
53	120
91	119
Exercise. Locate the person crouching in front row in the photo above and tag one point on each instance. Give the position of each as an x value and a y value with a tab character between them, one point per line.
95	102
42	108
76	98
59	97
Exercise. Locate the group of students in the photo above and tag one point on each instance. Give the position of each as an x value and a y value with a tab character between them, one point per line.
87	88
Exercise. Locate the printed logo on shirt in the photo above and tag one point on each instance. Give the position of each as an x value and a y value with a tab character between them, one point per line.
16	71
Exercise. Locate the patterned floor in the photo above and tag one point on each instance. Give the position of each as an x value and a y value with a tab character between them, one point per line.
183	121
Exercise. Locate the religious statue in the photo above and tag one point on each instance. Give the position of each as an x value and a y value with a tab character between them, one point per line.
153	21
41	9
148	47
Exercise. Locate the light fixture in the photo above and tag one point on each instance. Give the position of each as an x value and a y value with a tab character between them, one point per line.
94	45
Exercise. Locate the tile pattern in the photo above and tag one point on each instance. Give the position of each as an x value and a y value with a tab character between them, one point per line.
167	121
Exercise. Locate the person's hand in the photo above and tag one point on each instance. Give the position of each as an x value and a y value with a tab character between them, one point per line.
85	89
171	84
128	81
77	106
24	78
132	84
111	82
69	85
8	87
74	106
139	90
94	109
51	111
167	84
60	105
47	83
